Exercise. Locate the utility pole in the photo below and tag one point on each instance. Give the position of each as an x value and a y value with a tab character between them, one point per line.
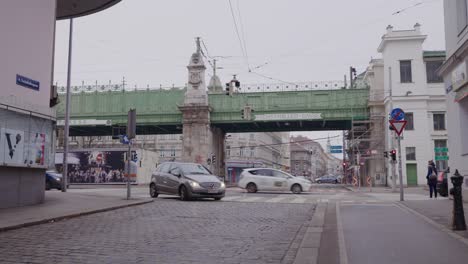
67	112
391	134
351	77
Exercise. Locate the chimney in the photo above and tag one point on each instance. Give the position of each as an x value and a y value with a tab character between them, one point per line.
389	29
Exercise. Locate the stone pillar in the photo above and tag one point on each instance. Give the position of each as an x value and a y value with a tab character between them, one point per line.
196	142
200	141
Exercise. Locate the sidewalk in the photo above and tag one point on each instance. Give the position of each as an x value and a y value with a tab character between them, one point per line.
59	205
439	211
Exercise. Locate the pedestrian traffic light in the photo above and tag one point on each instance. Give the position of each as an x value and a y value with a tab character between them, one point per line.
393	154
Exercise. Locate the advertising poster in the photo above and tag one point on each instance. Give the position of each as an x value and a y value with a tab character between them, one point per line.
36	149
12	146
95	166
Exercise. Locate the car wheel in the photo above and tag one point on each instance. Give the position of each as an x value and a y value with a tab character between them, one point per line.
296	188
153	192
47	186
184	194
319	182
218	198
336	181
251	188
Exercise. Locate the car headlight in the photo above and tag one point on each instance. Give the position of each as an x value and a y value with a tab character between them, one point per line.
223	185
194	184
58	179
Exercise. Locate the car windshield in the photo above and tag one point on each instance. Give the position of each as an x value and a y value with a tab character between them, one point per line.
194	169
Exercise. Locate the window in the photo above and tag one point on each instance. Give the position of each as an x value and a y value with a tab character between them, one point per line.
252	136
162	152
228	151
172	151
439	121
431	68
262	172
252	151
410	121
241	151
461	15
279	174
405	71
410	153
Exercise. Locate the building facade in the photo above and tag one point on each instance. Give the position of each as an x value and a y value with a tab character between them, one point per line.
308	157
410	82
454	72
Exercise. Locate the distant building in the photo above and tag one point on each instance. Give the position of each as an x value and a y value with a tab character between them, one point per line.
307	157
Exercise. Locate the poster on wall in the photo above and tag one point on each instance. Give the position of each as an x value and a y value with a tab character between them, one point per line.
36	149
94	166
12	146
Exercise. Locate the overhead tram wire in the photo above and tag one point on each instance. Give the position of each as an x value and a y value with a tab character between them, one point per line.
286	143
243	35
237	32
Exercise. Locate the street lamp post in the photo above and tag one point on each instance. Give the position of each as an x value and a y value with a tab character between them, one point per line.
67	112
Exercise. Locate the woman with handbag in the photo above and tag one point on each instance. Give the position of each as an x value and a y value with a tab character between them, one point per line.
432	178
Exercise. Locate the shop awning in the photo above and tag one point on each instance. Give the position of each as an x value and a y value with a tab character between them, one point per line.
76	8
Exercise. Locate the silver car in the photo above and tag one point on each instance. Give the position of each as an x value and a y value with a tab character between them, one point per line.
187	180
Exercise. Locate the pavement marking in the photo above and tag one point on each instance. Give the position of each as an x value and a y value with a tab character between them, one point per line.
232	198
298	200
341	240
433	223
277	199
249	199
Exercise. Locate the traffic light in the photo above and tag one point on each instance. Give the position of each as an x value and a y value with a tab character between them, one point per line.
385	154
228	88
393	154
243	113
213	159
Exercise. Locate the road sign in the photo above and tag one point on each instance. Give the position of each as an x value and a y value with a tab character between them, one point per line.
441	158
334	151
398	126
124	140
336	147
397	114
440	149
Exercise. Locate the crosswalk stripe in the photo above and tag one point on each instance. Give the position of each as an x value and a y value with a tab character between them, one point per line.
232	198
250	199
298	200
277	199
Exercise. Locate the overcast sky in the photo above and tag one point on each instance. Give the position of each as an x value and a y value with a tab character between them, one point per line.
150	41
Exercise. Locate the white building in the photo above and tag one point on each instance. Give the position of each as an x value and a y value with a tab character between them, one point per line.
454	72
410	82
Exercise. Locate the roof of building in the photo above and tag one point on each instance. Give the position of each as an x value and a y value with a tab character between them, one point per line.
75	8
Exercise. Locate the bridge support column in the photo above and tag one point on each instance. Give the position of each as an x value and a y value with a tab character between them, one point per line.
196	142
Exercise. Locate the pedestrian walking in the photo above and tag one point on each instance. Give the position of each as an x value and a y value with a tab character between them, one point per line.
432	178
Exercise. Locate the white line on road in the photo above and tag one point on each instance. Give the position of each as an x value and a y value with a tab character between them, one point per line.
341	240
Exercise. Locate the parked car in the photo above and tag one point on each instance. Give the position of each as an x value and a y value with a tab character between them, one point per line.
264	179
187	180
53	180
328	179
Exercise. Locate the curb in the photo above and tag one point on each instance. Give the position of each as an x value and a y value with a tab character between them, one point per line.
59	218
308	250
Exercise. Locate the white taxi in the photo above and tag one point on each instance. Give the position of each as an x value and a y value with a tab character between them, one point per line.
264	179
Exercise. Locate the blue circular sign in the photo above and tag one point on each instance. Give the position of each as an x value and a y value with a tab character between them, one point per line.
397	114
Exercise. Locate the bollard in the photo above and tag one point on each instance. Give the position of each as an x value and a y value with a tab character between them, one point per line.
458	215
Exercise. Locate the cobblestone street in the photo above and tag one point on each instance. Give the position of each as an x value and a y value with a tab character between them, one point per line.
166	231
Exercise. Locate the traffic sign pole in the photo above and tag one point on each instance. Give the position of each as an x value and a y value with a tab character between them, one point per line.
400	170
